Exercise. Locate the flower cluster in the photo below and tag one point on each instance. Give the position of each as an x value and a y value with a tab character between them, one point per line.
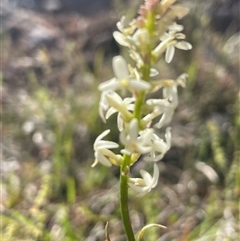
151	35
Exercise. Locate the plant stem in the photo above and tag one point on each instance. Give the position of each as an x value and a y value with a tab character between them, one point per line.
127	158
124	198
141	98
138	105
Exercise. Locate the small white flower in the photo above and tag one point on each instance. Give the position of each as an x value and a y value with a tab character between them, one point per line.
116	103
101	150
133	142
123	40
181	79
166	117
178	43
160	146
126	28
161	106
126	103
153	72
160	103
171	94
147	119
146	183
124	37
171	40
122	80
103	105
141	37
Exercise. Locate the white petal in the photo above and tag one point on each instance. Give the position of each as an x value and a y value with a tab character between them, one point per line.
128	101
101	136
171	94
166	92
120	122
180	36
139	85
111	84
164	37
160	49
106	145
122	138
155	175
133	129
141	190
147	135
146	177
143	149
119	25
153	72
120	38
101	158
149	181
141	36
103	106
103	100
95	163
110	112
169	53
115	96
130	107
168	136
179	11
101	113
137	58
165	119
158	102
120	67
154	158
126	151
160	146
183	45
175	28
181	80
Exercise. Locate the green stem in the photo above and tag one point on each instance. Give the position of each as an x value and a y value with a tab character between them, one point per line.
141	98
124	198
138	105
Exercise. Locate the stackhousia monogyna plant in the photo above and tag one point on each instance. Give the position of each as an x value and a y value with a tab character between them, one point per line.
152	35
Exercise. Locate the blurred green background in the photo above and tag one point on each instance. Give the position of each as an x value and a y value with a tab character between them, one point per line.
53	56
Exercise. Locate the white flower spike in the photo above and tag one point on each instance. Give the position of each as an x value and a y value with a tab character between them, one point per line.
153	34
